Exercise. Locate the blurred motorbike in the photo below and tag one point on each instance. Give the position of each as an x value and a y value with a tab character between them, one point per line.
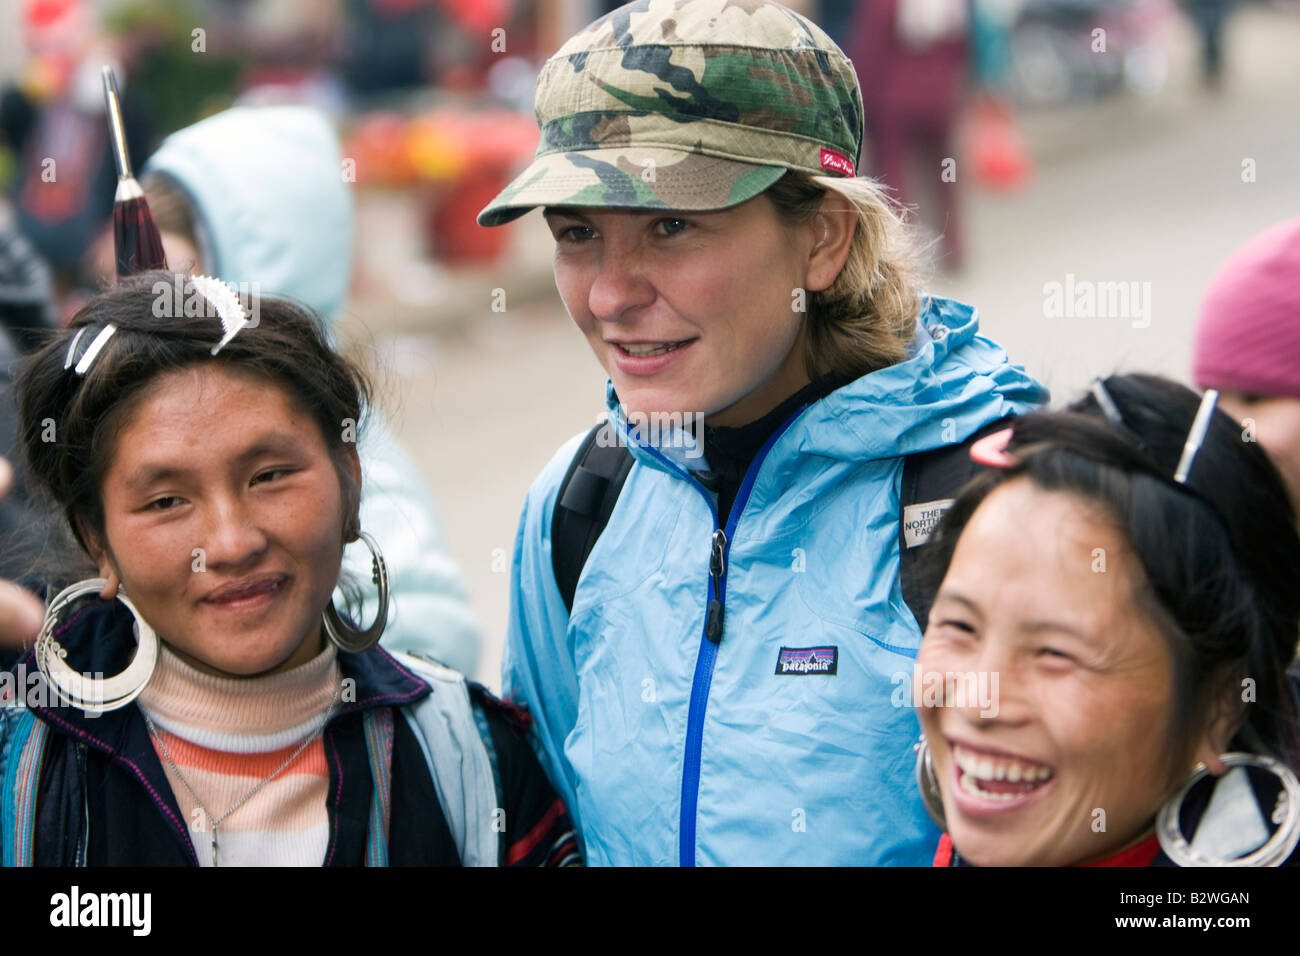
1065	51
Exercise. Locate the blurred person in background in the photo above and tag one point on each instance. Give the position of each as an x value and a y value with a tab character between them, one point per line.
1248	344
257	195
912	59
54	121
21	612
1210	17
712	679
1134	612
26	315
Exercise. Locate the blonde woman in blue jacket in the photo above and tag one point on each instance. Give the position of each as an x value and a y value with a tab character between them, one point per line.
255	196
732	684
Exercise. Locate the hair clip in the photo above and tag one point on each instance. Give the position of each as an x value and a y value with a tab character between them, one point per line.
222	298
1196	437
96	346
991	450
1112	413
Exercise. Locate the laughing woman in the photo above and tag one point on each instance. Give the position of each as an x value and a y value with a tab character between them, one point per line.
212	480
1113	573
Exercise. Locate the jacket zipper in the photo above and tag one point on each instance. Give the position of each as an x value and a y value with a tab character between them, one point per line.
714	619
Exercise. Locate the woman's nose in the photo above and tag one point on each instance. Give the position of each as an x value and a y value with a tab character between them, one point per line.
619	285
233	538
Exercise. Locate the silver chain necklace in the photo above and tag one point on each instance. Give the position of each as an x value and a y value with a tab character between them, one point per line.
207	815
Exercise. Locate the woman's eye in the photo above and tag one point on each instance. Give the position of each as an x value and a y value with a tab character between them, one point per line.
163	504
671	227
1052	654
271	475
958	625
575	234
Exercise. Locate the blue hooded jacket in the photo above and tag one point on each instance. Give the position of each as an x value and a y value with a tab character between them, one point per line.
272	208
669	748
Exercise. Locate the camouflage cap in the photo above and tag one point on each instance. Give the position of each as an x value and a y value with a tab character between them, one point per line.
687	104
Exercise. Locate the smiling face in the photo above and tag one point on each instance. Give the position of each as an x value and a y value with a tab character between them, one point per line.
690	312
1084	686
228	463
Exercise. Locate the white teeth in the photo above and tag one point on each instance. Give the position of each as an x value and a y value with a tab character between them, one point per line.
641	351
1000	768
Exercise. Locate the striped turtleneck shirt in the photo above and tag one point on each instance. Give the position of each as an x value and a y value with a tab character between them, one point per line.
225	735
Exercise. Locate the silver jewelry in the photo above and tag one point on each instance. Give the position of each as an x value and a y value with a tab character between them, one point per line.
94	695
348	638
928	783
223	299
1196	437
92	351
217	821
1274	852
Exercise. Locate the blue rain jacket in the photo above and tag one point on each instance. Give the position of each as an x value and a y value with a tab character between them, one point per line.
669	748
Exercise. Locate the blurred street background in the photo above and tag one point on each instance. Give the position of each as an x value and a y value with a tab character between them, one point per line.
1138	155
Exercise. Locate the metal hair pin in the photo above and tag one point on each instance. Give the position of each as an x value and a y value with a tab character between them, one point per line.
96	346
1196	437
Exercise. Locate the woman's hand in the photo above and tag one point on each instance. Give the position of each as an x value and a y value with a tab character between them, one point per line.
21	613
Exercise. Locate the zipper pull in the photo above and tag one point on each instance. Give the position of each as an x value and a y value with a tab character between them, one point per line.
717	566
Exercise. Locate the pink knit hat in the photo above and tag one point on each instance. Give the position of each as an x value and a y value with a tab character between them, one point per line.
1248	337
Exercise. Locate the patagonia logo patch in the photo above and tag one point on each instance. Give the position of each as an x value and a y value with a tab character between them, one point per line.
836	161
807	660
920	520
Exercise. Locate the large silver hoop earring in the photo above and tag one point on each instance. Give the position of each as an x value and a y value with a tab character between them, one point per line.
928	783
94	695
1274	852
346	637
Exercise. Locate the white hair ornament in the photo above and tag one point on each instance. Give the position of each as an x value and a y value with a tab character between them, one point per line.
222	297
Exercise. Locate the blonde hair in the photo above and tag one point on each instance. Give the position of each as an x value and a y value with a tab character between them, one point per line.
866	319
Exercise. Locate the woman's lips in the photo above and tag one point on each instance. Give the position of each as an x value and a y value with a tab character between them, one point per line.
648	358
985	782
248	595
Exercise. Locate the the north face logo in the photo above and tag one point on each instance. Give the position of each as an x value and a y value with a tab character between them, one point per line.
807	660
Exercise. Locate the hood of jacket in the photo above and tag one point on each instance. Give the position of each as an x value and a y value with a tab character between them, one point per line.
271	203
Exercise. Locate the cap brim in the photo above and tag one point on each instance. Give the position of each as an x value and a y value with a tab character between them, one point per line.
630	177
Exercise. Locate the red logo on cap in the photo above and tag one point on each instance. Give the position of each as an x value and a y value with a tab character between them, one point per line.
836	161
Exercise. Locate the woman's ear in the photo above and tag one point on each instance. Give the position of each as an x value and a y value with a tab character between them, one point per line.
99	553
352	494
1221	725
834	226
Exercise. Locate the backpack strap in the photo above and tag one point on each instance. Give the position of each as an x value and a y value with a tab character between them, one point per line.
585	501
595	478
458	760
931	480
22	751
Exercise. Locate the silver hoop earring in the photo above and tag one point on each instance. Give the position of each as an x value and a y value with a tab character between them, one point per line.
1274	851
348	638
94	695
928	783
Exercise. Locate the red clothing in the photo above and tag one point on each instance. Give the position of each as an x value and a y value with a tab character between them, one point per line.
1140	854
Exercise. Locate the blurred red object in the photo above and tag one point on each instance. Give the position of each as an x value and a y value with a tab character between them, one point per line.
479	15
379	146
492	145
995	147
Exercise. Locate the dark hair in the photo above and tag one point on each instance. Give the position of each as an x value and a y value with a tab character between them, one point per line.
69	423
1220	555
